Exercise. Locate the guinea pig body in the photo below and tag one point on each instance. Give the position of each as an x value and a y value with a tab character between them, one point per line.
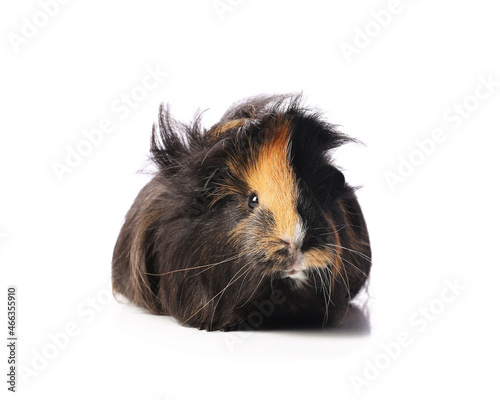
248	212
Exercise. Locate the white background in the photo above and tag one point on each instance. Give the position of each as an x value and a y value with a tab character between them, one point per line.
404	81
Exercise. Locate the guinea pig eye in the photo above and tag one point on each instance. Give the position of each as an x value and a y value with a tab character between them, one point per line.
253	201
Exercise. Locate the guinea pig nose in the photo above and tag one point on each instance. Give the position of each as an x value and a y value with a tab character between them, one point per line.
288	244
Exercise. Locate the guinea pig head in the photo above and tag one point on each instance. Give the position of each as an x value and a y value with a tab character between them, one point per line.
282	230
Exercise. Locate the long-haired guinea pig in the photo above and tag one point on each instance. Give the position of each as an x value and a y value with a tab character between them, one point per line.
246	221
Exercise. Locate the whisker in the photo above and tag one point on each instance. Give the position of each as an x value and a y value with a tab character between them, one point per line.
224	290
353	265
348	286
256	287
231	281
342	227
351	250
208	266
325	294
329	274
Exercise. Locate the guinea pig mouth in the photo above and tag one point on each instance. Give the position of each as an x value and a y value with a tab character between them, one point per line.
295	270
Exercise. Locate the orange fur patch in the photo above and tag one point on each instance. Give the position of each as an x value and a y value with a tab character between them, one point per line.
221	128
271	177
319	258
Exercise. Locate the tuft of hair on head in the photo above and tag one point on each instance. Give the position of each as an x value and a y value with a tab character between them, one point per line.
257	106
260	109
172	141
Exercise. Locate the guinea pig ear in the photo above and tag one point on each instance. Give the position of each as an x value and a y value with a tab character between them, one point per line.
204	197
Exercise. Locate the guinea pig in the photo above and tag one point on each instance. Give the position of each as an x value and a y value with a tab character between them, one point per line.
249	217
